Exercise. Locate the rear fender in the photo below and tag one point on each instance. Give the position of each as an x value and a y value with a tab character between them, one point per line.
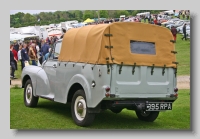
80	79
38	78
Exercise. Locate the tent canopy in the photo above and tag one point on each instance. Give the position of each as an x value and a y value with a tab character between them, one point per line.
15	37
89	20
89	44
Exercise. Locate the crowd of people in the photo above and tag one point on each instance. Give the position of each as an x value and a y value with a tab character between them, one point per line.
30	52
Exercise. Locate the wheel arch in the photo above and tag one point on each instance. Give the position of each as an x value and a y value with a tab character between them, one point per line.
25	79
78	82
33	81
72	91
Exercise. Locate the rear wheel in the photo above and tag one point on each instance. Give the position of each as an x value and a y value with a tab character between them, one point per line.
79	109
147	115
29	99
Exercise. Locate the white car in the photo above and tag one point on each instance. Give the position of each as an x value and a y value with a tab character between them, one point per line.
188	33
171	21
176	24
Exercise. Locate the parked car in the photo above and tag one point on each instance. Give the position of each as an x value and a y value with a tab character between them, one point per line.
170	21
176	24
95	69
188	34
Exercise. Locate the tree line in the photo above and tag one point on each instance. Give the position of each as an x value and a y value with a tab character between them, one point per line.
45	18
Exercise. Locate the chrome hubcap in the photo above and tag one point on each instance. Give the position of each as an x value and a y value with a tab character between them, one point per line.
28	93
80	108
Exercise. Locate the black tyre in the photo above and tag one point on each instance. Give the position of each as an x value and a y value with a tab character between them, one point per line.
116	110
79	109
29	99
147	115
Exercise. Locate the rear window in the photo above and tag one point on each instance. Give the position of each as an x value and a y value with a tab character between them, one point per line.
138	47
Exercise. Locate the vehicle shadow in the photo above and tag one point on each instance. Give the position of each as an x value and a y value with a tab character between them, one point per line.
59	108
104	120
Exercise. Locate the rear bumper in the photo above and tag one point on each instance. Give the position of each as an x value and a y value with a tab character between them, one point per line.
170	97
138	105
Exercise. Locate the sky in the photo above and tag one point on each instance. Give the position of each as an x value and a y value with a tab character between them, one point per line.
30	11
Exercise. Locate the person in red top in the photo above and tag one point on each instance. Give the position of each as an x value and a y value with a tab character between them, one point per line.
155	21
16	57
174	32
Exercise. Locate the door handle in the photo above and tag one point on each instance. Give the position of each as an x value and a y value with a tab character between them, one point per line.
54	66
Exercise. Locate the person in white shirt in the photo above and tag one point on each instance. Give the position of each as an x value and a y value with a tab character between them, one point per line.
38	50
19	55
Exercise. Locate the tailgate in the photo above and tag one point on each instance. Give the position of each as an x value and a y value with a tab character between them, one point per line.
143	82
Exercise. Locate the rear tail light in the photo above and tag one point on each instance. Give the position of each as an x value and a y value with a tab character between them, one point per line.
107	89
175	90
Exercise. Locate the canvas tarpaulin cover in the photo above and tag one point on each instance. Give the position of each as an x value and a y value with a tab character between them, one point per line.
90	45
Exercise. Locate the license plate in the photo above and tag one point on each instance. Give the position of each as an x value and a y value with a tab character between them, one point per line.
158	106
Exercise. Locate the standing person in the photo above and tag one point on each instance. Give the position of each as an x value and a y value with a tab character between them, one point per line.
47	54
187	15
37	50
48	40
15	56
24	54
183	14
39	43
174	32
16	47
184	32
19	55
44	50
55	39
32	54
27	47
64	31
155	21
12	63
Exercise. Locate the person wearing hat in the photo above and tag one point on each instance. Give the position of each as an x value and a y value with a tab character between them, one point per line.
174	32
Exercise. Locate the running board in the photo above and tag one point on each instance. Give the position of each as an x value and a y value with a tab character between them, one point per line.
49	97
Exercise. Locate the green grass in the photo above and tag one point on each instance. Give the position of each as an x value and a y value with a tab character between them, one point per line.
183	55
19	70
52	115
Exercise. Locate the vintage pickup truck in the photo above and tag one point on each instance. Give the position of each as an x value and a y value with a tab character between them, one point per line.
107	66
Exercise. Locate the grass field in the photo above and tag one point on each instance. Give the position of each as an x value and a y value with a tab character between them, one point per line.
183	55
52	115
